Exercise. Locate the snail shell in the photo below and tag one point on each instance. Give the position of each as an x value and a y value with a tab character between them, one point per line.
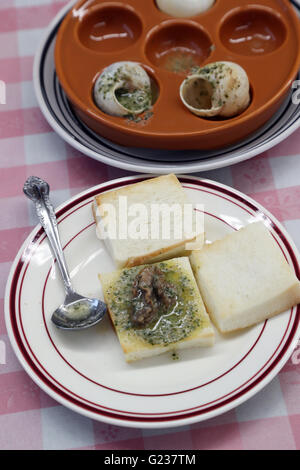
218	89
184	8
123	88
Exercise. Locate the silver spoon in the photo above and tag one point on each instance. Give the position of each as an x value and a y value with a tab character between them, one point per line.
76	312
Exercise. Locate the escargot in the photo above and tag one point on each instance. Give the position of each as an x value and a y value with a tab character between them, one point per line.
184	9
123	88
218	89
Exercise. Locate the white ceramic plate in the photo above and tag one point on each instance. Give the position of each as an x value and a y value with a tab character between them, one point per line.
86	371
62	119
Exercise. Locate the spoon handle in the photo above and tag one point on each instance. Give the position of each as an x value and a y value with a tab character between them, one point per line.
37	190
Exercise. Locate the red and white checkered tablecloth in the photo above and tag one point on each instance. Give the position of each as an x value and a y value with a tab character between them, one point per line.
29	419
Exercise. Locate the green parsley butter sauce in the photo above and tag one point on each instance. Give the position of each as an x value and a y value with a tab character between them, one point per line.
168	327
78	310
134	100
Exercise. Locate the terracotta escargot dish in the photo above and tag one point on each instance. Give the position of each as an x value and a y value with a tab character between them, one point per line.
199	74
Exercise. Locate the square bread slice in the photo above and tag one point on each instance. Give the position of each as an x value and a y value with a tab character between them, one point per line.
184	324
163	196
244	278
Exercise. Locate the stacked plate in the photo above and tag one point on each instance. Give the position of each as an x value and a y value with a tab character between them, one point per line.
61	117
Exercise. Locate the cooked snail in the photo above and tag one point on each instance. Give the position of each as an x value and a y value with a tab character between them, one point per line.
123	88
184	8
218	89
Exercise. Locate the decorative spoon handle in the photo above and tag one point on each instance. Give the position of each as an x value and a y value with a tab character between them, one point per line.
37	190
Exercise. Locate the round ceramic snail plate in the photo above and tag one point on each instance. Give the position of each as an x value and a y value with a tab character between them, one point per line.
263	38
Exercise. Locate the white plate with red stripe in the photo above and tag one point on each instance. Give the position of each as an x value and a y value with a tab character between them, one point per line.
86	371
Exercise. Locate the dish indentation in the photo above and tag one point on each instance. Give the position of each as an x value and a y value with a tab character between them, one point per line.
253	31
178	47
110	28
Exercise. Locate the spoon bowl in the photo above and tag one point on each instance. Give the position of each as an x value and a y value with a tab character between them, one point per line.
78	313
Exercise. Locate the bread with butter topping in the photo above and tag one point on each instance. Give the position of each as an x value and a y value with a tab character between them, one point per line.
178	324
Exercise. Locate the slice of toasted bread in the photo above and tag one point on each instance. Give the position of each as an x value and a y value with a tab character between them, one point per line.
186	325
244	278
163	196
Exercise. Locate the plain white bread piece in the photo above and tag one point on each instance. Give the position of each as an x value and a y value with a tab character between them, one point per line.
244	278
164	192
186	325
217	89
